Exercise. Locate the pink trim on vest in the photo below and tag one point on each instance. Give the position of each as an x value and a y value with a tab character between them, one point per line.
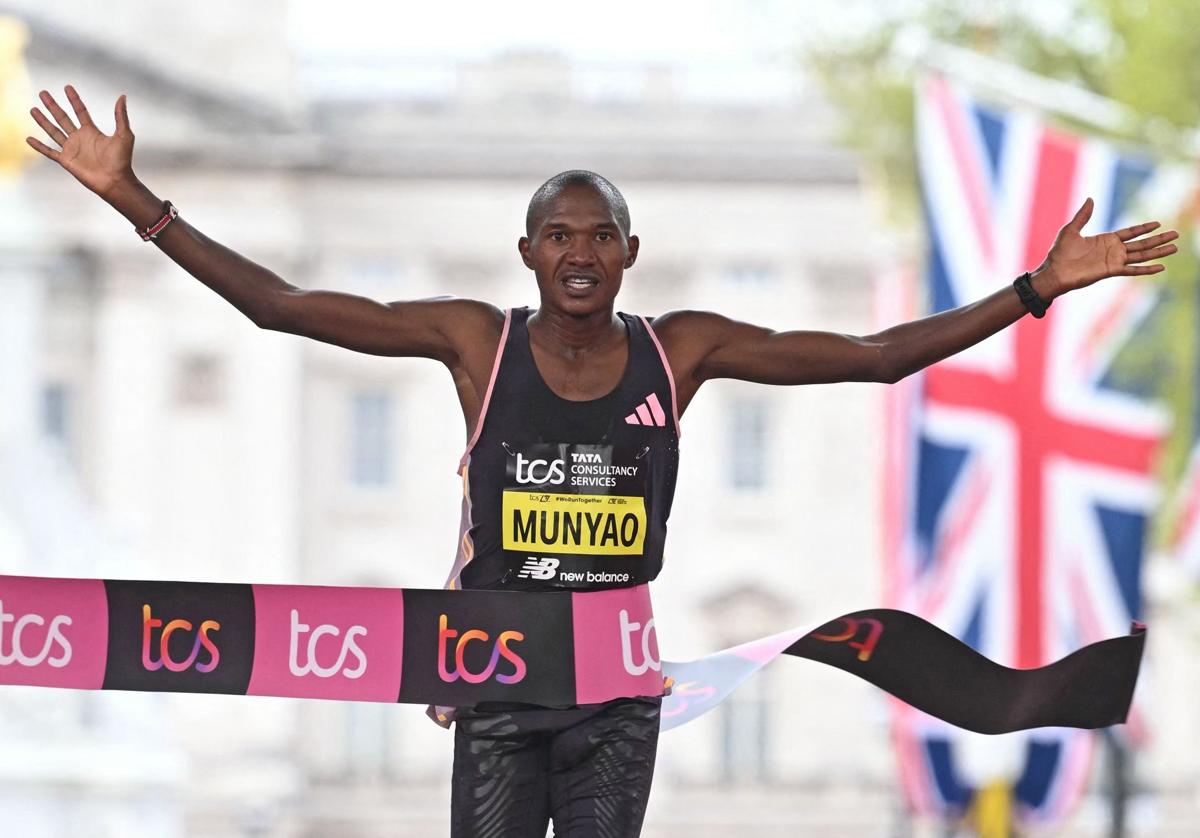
487	397
670	375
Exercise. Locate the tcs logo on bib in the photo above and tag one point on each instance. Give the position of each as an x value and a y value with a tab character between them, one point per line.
540	471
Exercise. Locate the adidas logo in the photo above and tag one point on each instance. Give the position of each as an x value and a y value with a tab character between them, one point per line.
649	412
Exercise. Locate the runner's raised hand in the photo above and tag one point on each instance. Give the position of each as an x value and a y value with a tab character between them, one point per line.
446	329
1076	260
97	160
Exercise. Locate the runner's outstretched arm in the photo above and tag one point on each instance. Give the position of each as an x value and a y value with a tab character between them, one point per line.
703	345
436	328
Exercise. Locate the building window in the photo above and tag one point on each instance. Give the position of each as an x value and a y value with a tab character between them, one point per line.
747	444
55	419
749	276
368	740
371	438
199	380
376	276
745	725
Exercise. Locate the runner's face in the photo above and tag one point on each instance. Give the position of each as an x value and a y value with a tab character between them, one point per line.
578	253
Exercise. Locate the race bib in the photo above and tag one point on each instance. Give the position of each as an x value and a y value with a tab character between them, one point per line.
575	515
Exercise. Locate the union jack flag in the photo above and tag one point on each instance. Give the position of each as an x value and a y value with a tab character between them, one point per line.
1021	476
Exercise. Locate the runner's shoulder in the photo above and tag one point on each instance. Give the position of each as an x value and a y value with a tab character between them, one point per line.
466	323
691	329
450	329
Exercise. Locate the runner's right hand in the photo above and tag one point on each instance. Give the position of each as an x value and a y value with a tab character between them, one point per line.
98	161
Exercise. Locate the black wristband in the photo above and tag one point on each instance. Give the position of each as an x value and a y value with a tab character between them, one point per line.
1036	305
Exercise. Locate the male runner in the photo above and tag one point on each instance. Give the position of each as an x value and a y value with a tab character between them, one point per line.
571	382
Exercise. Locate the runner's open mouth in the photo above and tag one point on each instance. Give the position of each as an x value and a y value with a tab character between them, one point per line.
579	281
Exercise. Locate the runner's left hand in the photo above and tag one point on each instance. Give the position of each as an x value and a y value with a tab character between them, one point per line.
1076	261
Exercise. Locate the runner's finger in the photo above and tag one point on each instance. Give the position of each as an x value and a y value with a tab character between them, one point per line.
49	127
1142	270
56	111
1154	241
80	109
1136	230
42	148
1148	255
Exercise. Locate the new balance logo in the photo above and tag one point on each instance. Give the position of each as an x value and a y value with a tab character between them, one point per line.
536	568
649	412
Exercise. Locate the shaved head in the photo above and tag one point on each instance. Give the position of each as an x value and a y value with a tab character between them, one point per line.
540	203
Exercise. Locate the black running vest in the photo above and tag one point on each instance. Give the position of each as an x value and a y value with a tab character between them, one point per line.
568	494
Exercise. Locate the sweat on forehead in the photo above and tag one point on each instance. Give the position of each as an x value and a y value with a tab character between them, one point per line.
540	203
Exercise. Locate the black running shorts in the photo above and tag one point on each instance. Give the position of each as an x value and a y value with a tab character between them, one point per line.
587	768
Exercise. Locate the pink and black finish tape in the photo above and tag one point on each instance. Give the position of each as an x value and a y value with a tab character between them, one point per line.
459	648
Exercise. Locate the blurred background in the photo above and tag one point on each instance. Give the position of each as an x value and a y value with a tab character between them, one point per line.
839	166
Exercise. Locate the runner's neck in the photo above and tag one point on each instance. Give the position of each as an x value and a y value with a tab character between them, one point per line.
572	338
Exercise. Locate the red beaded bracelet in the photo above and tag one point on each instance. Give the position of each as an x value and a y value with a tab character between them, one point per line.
151	232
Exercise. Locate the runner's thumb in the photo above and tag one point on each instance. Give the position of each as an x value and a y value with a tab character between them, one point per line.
122	115
1081	216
